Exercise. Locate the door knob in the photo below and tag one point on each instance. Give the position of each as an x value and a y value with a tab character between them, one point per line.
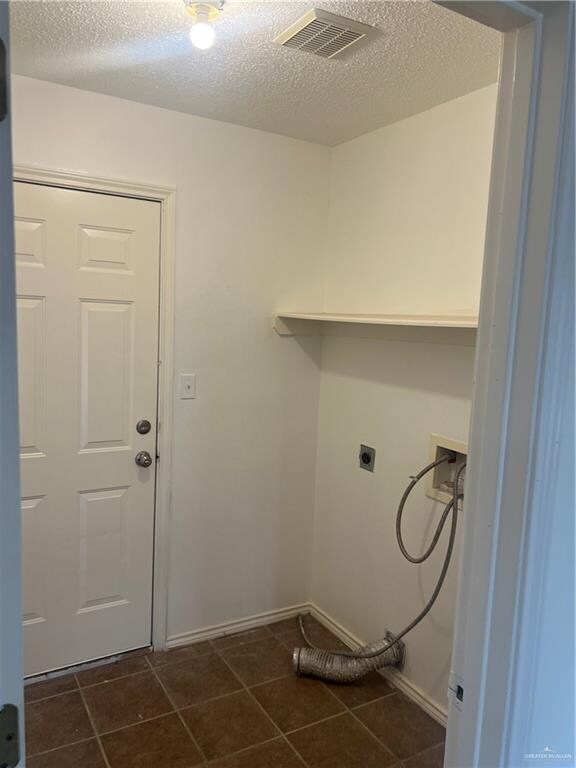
143	459
143	427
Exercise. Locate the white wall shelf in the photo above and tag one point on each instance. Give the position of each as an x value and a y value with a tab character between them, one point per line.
294	323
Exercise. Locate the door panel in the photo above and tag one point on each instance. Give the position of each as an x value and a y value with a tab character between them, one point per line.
30	241
31	318
106	249
35	521
87	275
103	548
106	369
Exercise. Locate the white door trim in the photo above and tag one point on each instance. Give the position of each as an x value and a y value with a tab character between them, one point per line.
500	509
11	690
166	196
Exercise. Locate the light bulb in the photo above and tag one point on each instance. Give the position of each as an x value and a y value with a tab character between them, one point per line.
202	35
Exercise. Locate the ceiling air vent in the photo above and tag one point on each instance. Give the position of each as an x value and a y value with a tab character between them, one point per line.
325	34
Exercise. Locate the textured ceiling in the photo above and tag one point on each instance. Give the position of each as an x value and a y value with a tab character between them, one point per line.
140	51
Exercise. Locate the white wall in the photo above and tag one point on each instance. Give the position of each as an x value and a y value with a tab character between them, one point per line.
408	212
248	204
407	221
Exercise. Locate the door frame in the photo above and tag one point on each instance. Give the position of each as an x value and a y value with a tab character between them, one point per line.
166	197
11	648
500	591
513	333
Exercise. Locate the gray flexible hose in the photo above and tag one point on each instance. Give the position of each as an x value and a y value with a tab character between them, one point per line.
346	666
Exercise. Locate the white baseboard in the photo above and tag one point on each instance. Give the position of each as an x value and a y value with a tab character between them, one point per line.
396	678
400	681
237	625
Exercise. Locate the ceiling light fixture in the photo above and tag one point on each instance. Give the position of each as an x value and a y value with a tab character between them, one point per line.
202	33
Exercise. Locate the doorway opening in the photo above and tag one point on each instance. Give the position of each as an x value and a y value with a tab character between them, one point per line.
98	238
259	536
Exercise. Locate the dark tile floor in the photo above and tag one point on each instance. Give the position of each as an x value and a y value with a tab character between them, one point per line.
232	702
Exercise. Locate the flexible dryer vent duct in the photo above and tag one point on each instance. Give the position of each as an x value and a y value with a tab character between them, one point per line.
348	666
347	669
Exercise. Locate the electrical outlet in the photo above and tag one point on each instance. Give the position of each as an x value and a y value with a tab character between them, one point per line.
367	457
441	478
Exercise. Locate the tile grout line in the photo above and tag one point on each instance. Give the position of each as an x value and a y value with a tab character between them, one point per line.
401	759
244	749
209	701
56	749
139	722
376	739
365	727
316	722
422	752
147	670
214	640
53	696
178	713
392	692
91	719
255	700
266	682
114	679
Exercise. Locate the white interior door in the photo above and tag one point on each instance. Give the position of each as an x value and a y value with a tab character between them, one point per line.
88	286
